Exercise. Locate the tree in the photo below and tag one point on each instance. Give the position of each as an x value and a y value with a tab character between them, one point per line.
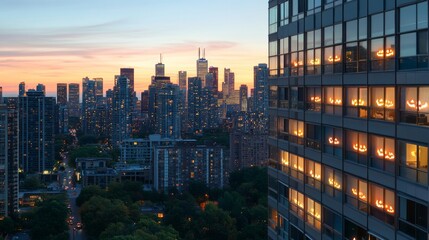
87	193
214	223
98	213
7	225
48	219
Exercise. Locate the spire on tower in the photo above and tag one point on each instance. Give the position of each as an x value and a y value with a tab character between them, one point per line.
199	53
160	58
204	53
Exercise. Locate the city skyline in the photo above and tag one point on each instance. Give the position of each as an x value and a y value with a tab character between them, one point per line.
36	49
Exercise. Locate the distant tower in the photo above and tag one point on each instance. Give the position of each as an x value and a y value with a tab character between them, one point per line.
228	82
41	88
122	110
160	68
1	95
168	115
62	94
243	98
182	80
260	92
73	103
21	89
215	72
195	107
129	73
202	67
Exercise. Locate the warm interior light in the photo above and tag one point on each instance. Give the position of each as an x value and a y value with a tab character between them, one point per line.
334	141
412	104
334	59
334	183
316	61
356	102
298	63
298	167
335	101
389	209
380	102
300	204
360	148
315	99
316	176
385	154
285	162
298	133
379	204
361	194
389	53
314	213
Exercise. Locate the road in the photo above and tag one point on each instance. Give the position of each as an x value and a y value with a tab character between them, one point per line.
73	191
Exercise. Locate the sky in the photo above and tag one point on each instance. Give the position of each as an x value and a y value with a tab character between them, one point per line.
52	41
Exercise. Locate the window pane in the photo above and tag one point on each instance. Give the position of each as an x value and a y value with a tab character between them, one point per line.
422	15
389	27
363	32
422	43
310	39
377	47
318	38
338	32
329	36
408	45
377	25
351	31
407	21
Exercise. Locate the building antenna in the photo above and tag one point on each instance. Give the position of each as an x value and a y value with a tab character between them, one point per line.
199	53
160	58
204	53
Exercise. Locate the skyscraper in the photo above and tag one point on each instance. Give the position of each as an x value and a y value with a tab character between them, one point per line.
62	94
195	105
41	88
202	67
99	91
36	132
12	154
21	88
349	97
160	68
89	104
129	73
168	123
182	80
260	92
3	160
122	110
228	85
1	95
215	80
73	103
145	103
243	97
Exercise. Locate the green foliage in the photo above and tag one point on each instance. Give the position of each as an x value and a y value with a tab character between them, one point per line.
98	213
214	223
85	151
48	220
7	225
31	183
87	193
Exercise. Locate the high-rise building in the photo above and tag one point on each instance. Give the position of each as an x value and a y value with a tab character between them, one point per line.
4	160
1	95
12	154
228	85
129	73
260	92
21	89
98	88
182	80
195	105
122	110
215	80
202	67
145	103
160	68
36	132
89	104
243	97
168	123
41	88
349	117
73	103
62	94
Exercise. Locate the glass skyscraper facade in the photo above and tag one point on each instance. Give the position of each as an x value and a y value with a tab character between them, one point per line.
349	119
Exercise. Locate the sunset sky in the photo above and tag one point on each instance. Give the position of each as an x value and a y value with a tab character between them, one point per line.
51	41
